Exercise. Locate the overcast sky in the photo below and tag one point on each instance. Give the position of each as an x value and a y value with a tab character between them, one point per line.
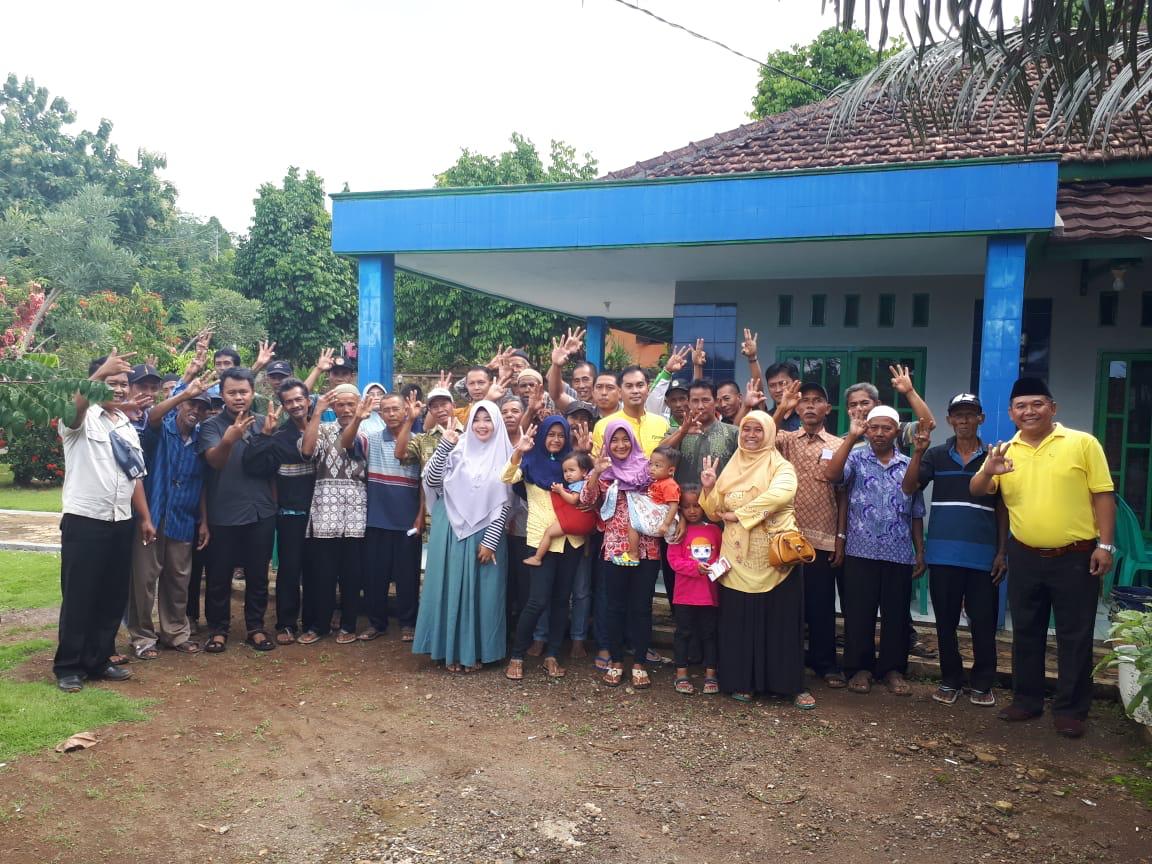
384	94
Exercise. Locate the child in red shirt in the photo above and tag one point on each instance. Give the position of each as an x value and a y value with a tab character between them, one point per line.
654	515
696	599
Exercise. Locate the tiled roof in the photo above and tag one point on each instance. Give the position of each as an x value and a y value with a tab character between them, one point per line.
799	139
1115	210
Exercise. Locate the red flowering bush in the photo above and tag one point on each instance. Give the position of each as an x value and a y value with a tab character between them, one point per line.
34	453
17	309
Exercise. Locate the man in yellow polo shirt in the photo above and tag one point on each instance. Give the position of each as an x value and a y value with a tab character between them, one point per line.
1062	515
650	429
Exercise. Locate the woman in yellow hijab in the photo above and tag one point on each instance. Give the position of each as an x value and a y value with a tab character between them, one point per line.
761	607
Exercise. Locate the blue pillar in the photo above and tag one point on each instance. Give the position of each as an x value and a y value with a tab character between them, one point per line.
594	339
1000	343
377	337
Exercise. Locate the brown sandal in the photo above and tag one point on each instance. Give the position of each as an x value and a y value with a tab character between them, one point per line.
861	683
612	676
640	679
553	668
515	670
285	636
188	647
897	685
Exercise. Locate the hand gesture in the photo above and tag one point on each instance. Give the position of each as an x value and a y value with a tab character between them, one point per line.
753	395
857	427
265	355
452	435
557	487
445	380
699	355
240	425
922	440
195	366
198	386
499	387
499	359
527	439
115	364
574	340
901	379
364	409
326	360
581	437
677	359
695	423
323	403
272	419
603	463
748	346
152	360
559	352
415	407
996	462
708	472
203	340
790	398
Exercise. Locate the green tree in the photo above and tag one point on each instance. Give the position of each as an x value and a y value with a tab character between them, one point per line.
233	318
831	59
286	262
522	164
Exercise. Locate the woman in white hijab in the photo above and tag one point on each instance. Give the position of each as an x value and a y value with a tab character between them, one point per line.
462	607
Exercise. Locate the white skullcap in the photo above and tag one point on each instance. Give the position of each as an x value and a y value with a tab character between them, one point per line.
884	411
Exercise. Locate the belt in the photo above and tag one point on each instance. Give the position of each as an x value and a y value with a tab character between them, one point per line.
1078	546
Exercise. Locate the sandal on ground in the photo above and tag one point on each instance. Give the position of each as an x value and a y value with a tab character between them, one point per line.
625	560
453	667
640	679
612	676
651	656
308	637
861	682
515	670
188	647
369	634
149	653
835	681
285	636
804	701
259	640
684	687
946	695
407	634
119	660
475	667
218	644
603	661
711	686
345	637
553	668
741	696
896	684
983	698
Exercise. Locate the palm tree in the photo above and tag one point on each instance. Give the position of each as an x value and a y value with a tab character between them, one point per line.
1069	70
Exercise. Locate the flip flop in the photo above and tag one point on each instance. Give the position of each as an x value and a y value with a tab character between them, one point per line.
804	701
217	644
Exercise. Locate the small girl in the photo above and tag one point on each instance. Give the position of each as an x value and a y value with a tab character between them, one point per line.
653	515
570	519
696	597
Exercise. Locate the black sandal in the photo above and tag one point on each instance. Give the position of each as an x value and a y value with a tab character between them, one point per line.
264	644
218	644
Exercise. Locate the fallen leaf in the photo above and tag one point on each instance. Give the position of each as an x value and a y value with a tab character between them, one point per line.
79	741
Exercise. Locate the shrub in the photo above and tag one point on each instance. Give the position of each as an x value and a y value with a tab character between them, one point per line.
34	453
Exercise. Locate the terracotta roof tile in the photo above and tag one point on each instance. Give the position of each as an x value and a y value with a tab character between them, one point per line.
1110	210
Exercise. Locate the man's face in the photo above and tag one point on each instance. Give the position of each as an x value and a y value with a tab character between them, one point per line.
340	375
1033	413
728	401
119	387
526	387
813	408
392	412
223	362
882	433
166	388
606	394
237	394
296	403
476	382
145	387
859	404
702	402
583	382
517	365
189	414
440	410
677	402
635	387
276	381
512	412
965	422
345	408
776	385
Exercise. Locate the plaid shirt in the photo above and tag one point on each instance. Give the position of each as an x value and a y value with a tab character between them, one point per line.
175	479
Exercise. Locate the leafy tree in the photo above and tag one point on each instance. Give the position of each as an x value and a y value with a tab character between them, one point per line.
521	164
192	258
308	293
831	59
233	318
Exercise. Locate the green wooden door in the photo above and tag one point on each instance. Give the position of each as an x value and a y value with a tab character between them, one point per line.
1124	427
828	367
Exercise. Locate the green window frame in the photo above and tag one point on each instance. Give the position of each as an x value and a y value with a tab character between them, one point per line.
1126	439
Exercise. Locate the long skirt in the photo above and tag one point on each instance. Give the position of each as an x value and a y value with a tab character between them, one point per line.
762	639
462	617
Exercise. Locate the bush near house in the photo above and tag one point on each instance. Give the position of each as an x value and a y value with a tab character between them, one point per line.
35	454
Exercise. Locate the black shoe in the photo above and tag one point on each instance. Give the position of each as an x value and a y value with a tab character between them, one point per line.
112	673
922	651
70	683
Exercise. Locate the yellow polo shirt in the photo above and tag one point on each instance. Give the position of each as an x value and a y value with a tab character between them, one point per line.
650	430
1049	491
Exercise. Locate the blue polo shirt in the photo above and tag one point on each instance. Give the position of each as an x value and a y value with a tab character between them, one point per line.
962	527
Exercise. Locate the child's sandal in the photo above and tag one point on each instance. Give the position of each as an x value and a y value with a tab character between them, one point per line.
612	676
684	687
711	686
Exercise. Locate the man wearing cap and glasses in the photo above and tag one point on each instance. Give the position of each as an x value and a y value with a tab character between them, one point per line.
965	549
1062	511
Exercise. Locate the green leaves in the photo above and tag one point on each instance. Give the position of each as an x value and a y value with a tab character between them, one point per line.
33	390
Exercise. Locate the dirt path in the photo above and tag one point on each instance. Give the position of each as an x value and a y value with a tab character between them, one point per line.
366	753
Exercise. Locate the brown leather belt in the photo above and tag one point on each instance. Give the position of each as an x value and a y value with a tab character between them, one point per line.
1078	546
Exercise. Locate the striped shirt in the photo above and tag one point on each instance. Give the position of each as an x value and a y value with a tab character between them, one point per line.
962	528
393	483
175	479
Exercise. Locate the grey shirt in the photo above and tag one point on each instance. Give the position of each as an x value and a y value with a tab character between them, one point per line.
234	496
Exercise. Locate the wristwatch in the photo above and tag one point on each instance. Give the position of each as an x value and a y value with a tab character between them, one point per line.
1107	547
841	536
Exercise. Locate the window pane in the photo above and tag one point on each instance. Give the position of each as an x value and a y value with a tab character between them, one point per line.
886	316
1146	309
819	308
920	307
1109	308
1114	442
785	310
1117	379
1140	403
852	310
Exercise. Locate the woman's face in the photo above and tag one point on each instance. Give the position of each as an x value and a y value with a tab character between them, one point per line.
620	445
482	425
751	435
555	439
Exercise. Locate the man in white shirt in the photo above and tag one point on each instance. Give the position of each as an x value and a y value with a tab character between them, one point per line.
103	462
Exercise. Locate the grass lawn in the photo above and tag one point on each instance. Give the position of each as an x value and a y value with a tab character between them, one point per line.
13	497
31	580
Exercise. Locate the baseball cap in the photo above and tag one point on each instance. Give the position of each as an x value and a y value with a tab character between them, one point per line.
142	371
965	400
213	393
439	393
814	387
677	384
577	405
348	363
204	397
170	378
279	367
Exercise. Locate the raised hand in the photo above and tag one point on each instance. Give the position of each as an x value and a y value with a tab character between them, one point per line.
699	355
997	462
265	355
574	340
708	472
857	428
365	408
695	422
901	379
203	340
415	407
323	403
527	439
581	437
753	395
677	359
326	360
272	419
922	440
790	398
559	352
603	463
240	425
115	364
499	387
499	359
197	386
445	380
452	435
748	346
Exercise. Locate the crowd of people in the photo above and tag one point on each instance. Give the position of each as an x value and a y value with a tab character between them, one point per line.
554	507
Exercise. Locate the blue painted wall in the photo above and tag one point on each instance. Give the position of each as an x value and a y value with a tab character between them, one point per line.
1000	339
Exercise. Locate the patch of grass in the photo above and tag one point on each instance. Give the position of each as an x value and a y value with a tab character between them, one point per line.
31	580
13	497
18	652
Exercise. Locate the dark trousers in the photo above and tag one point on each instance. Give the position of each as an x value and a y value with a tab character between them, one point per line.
667	573
248	546
95	571
630	592
549	587
1062	587
332	562
871	585
391	557
200	559
290	532
954	589
695	632
820	580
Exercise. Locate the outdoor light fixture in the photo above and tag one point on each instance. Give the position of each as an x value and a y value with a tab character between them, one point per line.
1119	271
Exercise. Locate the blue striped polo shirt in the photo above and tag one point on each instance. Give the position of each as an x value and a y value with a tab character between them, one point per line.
961	527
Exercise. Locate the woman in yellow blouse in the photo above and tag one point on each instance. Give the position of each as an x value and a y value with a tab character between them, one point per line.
761	607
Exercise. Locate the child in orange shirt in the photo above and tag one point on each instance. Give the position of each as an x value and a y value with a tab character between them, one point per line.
654	515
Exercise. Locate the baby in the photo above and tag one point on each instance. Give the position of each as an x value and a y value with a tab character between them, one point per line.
655	514
570	519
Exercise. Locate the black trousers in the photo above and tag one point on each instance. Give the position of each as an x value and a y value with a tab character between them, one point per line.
391	557
1061	587
871	585
200	559
332	562
630	592
695	632
820	581
248	546
549	587
290	532
95	573
954	589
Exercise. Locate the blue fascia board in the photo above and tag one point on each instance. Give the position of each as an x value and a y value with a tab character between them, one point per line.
1000	197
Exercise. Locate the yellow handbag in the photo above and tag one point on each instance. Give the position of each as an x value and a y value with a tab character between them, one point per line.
789	548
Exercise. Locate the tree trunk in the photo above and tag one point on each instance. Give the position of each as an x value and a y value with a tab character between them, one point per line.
37	320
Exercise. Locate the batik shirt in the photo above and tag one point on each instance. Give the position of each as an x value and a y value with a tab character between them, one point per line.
340	498
879	513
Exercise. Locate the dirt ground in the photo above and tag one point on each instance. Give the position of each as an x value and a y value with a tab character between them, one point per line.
346	754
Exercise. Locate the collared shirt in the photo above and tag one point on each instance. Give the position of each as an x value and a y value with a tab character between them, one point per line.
235	497
94	484
1049	491
340	499
393	482
879	513
718	441
815	497
962	530
175	479
429	439
791	423
650	430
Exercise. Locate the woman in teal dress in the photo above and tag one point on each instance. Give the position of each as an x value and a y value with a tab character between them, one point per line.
462	605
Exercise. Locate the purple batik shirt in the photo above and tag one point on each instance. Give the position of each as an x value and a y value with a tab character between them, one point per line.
879	514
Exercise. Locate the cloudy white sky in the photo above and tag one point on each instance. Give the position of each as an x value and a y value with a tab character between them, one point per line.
383	94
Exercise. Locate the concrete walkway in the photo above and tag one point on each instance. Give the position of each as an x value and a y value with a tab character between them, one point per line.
29	530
